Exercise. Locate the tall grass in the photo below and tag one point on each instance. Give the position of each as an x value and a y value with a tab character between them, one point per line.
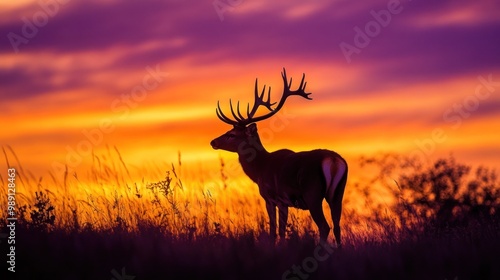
110	194
174	220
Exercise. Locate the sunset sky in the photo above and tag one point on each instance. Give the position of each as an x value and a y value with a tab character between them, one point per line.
145	76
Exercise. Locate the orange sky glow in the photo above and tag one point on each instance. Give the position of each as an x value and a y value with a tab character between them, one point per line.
146	79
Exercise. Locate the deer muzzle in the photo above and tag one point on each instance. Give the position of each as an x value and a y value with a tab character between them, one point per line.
214	145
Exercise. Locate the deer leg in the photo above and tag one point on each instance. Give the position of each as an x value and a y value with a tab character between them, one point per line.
320	220
271	211
283	218
336	210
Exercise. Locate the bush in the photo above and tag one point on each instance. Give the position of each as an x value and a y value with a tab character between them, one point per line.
443	193
42	215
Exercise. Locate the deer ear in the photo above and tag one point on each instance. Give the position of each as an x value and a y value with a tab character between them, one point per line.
251	129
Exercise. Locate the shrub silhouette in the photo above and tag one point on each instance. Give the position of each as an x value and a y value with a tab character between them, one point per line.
445	194
42	216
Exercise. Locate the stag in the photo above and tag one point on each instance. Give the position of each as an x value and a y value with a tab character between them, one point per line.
285	178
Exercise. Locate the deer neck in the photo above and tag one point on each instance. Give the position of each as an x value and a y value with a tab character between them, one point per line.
252	157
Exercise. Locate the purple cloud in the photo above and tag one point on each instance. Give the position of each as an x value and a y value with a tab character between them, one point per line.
402	54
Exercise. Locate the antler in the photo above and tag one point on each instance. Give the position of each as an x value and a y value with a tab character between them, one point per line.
240	120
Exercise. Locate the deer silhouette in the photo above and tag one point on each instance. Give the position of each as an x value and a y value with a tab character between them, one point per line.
285	178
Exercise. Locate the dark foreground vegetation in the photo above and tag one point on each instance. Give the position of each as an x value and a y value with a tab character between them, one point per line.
459	253
445	224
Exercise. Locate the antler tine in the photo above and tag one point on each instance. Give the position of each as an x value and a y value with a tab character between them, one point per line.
257	96
238	111
286	83
232	111
268	103
258	101
261	96
300	91
302	88
223	117
256	90
285	80
302	81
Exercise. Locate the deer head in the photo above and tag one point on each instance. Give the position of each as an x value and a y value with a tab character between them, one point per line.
244	129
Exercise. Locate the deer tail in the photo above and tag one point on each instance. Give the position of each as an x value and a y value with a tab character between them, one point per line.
335	172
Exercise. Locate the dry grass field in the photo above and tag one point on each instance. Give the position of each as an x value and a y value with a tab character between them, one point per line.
402	220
